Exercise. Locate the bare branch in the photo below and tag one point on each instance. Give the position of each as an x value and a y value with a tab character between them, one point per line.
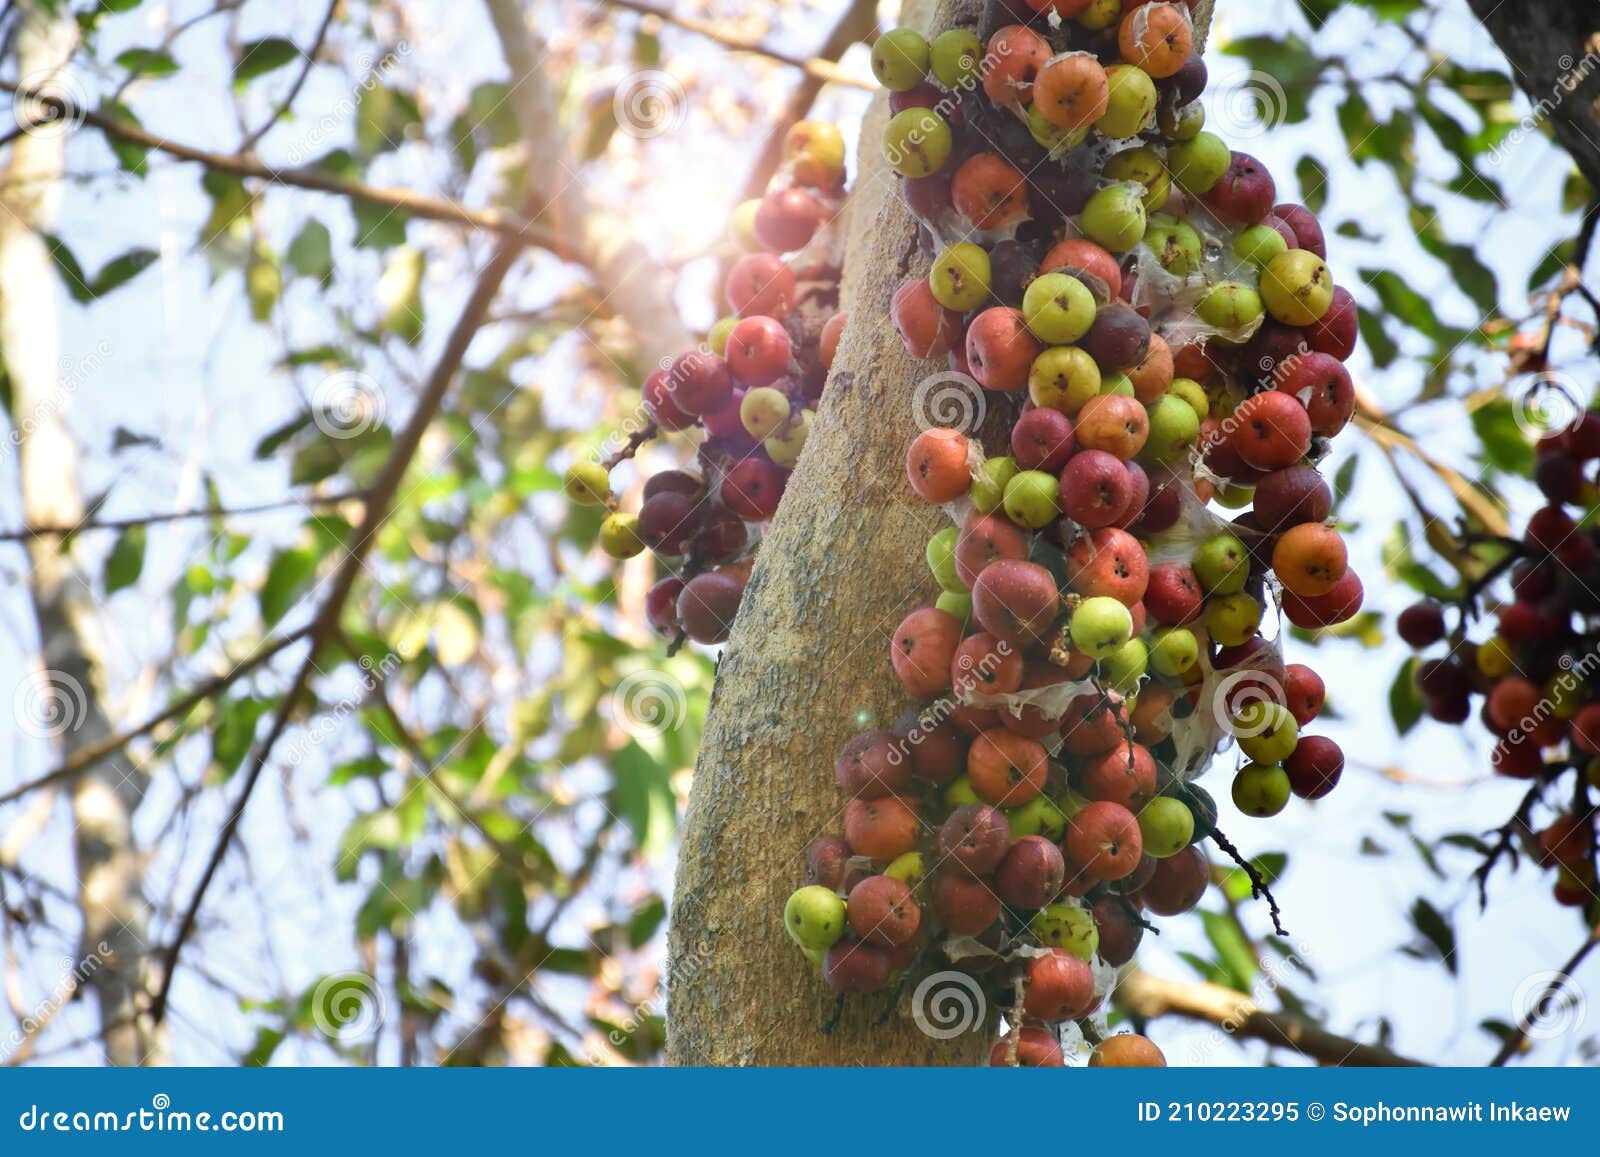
1149	997
64	530
820	69
530	232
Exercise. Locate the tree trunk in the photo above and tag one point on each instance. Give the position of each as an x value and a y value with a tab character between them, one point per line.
1553	47
65	692
807	667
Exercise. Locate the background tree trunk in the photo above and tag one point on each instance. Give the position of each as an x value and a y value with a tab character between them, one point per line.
1553	47
115	915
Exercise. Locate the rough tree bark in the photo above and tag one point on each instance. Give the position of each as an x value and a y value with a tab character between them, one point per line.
114	913
806	668
1553	47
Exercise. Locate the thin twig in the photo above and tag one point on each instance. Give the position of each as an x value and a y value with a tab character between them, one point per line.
283	106
25	533
822	70
1258	885
1541	1006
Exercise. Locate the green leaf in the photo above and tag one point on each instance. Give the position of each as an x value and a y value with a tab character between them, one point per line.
645	920
1401	564
126	560
260	57
1439	938
643	796
230	204
1405	697
384	115
1234	954
311	252
147	61
263	282
288	576
1313	177
235	732
1505	445
84	287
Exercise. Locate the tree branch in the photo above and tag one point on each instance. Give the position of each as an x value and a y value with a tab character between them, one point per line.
821	69
1148	997
531	232
855	23
1551	45
65	530
85	757
323	627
